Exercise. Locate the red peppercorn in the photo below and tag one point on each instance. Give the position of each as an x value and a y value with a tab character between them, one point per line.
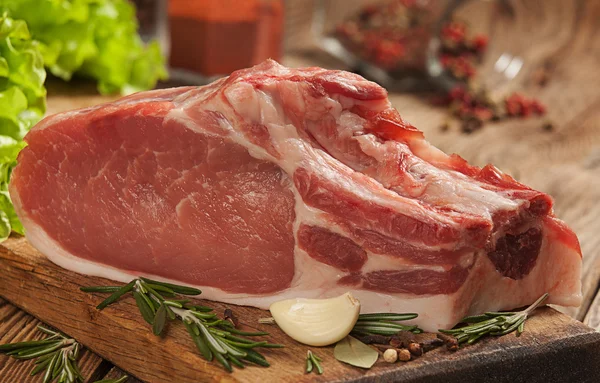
457	93
483	113
480	43
513	106
538	108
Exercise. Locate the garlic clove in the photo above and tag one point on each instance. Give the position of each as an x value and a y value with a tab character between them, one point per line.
317	322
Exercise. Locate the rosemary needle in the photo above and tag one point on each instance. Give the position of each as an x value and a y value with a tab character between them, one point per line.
215	338
493	323
56	355
384	324
313	360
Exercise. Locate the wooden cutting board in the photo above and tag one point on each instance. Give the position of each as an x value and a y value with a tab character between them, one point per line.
553	347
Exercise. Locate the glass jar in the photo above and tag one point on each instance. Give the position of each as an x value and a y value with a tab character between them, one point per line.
152	20
211	38
406	43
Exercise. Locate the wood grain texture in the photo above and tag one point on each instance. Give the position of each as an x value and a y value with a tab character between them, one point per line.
119	335
18	326
116	373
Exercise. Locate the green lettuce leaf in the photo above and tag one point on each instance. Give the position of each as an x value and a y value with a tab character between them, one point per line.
92	38
22	104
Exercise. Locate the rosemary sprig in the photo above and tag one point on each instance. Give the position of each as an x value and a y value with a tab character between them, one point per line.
122	379
313	361
56	355
214	338
493	323
384	324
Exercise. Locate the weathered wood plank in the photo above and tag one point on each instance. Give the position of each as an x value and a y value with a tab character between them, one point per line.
18	326
116	373
120	335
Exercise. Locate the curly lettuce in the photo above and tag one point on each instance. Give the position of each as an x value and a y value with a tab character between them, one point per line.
92	38
22	104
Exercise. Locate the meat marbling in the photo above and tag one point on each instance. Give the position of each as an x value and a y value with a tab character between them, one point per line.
275	183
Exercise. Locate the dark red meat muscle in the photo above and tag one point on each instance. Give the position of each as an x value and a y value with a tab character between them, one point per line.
277	182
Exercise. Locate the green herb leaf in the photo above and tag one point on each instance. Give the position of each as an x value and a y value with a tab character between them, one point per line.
211	335
354	352
100	289
145	309
122	379
184	290
56	355
160	318
117	294
313	361
492	323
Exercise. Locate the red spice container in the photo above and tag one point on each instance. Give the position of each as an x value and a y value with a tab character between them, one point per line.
216	37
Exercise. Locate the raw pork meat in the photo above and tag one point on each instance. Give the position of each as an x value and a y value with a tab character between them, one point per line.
275	183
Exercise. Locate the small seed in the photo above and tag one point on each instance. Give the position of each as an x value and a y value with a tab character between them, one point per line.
404	355
415	349
390	355
450	341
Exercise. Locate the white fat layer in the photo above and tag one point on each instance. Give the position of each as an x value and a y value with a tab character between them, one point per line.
484	290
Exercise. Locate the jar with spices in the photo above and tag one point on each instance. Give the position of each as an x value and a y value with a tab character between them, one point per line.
403	41
470	52
212	38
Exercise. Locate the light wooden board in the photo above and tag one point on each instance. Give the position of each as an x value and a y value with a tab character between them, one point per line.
119	335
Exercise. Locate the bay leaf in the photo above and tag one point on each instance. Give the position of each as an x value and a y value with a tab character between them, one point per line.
354	352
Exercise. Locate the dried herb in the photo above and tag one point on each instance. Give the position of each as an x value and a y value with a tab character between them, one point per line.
215	338
122	379
352	351
491	323
450	341
56	355
313	362
384	324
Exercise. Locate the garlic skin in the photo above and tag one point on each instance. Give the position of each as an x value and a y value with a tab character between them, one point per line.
317	322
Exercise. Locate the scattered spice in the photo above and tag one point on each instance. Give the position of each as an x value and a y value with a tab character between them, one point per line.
229	316
445	126
395	36
474	106
450	341
404	355
431	344
390	355
548	126
460	52
415	349
392	36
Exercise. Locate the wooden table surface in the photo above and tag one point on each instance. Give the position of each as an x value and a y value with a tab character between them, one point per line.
561	38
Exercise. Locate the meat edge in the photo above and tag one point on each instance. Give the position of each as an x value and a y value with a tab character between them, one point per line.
475	295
